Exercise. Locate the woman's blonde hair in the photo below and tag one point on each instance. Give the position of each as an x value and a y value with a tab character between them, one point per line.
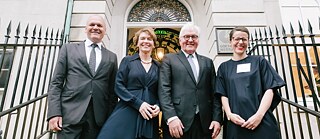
147	30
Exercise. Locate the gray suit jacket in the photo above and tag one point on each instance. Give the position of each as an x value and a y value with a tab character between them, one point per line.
72	85
179	93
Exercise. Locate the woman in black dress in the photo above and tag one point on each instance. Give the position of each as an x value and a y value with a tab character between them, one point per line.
136	114
248	88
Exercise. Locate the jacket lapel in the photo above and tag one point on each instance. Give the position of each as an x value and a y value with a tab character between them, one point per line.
185	62
104	56
83	58
201	62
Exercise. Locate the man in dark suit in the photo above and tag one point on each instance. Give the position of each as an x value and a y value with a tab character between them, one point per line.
81	94
186	91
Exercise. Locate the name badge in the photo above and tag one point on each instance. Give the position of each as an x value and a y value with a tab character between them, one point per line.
243	67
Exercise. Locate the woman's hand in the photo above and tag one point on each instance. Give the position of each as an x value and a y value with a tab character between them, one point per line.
253	122
146	110
235	118
155	110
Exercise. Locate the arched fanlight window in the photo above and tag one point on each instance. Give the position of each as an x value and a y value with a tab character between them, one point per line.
159	11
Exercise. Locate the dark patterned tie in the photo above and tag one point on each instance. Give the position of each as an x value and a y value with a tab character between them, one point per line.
92	59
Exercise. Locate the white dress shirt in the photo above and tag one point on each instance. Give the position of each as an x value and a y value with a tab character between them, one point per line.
88	49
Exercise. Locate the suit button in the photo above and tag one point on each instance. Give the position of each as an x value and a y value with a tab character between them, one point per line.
90	93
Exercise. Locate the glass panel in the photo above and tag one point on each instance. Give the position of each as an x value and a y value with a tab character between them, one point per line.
159	11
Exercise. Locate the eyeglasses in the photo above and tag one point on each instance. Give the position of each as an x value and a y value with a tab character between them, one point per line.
193	37
238	39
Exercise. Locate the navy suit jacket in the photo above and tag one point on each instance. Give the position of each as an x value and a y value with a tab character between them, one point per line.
72	85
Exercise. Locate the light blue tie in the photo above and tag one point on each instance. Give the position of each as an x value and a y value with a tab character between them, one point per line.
193	66
194	70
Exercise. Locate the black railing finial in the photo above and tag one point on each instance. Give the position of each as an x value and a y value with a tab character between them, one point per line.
284	34
310	27
270	32
18	30
34	31
260	34
255	34
46	34
57	34
291	29
9	29
277	31
51	35
300	28
40	32
265	32
61	36
26	32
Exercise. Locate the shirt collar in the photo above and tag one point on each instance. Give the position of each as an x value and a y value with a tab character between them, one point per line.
88	42
186	54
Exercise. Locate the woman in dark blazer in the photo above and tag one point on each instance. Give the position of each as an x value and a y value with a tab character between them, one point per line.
136	114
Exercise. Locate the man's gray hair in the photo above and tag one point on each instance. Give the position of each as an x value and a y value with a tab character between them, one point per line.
187	27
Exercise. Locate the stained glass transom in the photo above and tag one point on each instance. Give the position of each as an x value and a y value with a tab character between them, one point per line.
159	11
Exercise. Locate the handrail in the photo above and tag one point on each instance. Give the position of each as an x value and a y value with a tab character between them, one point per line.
22	105
306	109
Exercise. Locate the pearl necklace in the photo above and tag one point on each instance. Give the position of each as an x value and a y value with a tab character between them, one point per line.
146	62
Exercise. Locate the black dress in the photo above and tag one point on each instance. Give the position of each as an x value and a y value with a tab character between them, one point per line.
244	83
133	86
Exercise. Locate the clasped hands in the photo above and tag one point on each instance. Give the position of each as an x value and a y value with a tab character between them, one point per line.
251	124
149	111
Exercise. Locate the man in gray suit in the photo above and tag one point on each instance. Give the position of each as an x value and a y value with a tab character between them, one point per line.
81	94
186	91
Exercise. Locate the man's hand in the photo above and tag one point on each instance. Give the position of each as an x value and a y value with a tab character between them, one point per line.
55	123
216	129
176	128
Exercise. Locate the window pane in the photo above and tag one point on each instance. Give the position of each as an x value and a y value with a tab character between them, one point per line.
4	73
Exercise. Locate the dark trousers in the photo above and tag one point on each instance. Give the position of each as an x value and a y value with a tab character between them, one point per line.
87	128
195	131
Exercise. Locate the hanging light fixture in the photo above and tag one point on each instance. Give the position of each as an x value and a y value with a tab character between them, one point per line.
160	51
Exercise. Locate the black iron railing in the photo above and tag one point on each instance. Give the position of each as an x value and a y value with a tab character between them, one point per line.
296	59
26	66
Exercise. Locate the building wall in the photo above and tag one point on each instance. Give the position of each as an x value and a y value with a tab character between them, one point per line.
45	13
82	9
230	13
293	11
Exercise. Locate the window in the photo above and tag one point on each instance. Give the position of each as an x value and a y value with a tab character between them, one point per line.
7	60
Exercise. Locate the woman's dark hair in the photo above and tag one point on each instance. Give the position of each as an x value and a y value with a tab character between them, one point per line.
242	29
